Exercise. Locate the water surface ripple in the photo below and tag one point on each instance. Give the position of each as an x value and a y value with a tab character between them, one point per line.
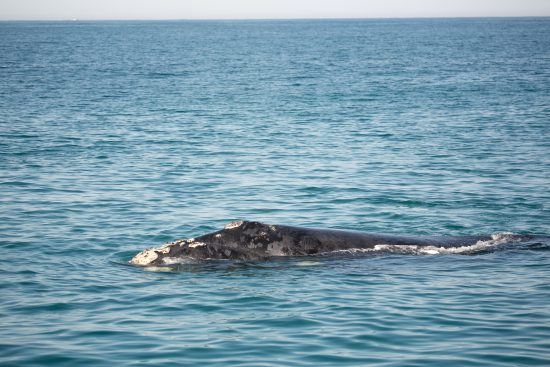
116	136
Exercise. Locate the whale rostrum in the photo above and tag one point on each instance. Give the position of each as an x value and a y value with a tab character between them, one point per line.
248	240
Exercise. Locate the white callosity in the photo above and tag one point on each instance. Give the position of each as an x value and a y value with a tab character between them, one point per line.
146	257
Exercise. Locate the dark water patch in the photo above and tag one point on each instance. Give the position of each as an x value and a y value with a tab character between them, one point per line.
47	307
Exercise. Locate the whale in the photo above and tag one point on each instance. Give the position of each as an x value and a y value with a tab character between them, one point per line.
252	240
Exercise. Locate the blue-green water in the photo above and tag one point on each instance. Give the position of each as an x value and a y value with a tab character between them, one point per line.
117	136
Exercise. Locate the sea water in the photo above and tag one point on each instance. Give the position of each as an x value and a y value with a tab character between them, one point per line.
118	136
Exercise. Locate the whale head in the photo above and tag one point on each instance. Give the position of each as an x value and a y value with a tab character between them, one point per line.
238	240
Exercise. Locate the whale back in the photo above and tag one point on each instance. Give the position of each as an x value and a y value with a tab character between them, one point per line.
250	240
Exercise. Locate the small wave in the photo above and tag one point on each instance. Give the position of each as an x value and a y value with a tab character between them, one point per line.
497	239
308	263
159	269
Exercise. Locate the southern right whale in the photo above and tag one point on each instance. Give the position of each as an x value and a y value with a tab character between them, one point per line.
249	240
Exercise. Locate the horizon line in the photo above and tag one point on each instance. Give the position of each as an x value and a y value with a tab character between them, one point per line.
268	19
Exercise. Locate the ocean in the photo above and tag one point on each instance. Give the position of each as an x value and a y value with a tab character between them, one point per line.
118	136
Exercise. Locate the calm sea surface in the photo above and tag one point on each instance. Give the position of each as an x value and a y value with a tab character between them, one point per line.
117	136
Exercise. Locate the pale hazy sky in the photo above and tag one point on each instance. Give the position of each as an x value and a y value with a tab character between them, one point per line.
259	9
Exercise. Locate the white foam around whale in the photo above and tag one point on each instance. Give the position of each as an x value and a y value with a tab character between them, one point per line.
178	260
480	246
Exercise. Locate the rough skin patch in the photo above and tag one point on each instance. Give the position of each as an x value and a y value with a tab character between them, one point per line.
197	244
165	249
145	257
234	224
275	249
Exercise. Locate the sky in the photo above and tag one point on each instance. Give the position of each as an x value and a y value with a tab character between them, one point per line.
265	9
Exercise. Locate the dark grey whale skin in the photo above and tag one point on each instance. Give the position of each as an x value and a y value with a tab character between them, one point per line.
255	241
